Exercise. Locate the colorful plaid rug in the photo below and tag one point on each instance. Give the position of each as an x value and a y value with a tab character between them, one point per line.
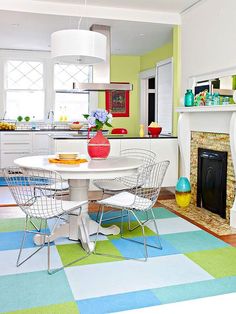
192	264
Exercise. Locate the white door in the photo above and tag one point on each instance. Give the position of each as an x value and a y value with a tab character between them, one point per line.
164	87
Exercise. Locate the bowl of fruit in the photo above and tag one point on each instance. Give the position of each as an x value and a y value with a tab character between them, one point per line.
75	125
154	129
6	126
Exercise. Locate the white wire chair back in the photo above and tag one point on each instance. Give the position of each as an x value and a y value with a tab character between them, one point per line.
147	158
34	191
147	194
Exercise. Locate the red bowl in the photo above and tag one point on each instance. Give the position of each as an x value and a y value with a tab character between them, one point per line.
154	132
119	131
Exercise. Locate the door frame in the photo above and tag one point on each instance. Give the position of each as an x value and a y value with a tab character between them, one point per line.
143	103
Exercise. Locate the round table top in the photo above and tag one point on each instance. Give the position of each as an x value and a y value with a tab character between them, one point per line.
93	169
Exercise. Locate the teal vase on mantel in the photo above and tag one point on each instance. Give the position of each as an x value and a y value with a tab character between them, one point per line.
189	98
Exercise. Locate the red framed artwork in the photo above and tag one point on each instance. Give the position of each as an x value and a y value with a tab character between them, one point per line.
117	102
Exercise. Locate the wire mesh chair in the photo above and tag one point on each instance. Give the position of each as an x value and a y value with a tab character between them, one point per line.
139	200
33	192
117	185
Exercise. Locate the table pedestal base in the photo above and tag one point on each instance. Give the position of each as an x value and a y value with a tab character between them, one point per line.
79	227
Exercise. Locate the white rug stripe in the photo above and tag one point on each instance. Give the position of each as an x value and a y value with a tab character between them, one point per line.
98	280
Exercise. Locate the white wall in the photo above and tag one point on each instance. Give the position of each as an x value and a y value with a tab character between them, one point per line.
208	39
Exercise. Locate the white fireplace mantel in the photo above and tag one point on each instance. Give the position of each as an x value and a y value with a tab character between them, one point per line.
216	119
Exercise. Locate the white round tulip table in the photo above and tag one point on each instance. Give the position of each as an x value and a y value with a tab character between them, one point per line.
80	227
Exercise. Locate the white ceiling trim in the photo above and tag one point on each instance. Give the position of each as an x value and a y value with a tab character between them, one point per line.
91	11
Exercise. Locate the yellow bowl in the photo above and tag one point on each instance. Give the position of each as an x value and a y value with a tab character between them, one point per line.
67	156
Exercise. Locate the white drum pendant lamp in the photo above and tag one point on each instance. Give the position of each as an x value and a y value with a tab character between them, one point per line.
78	46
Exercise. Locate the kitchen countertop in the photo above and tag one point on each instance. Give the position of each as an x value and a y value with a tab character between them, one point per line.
110	136
40	130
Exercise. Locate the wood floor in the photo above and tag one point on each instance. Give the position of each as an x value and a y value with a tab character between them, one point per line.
8	209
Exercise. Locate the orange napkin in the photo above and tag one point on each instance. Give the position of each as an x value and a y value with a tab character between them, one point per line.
67	161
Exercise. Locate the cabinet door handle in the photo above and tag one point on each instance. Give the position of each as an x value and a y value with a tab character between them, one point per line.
15	153
15	143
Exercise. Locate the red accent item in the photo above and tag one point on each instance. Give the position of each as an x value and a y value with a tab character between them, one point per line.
119	131
154	132
99	146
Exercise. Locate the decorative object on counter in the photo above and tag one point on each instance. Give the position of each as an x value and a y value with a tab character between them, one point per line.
183	192
119	131
117	102
99	146
27	119
154	129
141	130
225	100
201	98
188	98
19	118
216	99
75	125
5	126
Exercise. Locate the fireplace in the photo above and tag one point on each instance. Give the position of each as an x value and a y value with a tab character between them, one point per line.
211	180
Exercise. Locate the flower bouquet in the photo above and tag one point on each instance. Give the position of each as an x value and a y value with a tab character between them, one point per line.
98	146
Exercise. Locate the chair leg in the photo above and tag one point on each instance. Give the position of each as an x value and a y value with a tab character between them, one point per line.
18	262
157	232
99	208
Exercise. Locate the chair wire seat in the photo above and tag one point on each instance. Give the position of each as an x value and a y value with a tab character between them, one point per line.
113	186
141	199
35	192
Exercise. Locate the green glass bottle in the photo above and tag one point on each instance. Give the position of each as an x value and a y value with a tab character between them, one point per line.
188	98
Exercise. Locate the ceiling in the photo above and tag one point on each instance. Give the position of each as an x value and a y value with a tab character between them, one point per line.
31	31
176	6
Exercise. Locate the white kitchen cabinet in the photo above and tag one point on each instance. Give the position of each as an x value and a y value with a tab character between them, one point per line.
115	147
78	145
135	143
167	149
41	143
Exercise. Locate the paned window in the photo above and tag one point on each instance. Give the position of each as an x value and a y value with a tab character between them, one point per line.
24	88
69	106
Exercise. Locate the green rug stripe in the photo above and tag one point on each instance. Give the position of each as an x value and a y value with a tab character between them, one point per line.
34	289
130	234
218	262
196	290
64	308
15	224
70	252
194	241
159	213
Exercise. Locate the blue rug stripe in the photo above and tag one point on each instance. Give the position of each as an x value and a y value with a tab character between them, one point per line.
118	302
135	250
196	290
33	289
23	181
12	240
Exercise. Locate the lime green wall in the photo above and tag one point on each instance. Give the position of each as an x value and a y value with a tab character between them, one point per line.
149	60
177	73
126	69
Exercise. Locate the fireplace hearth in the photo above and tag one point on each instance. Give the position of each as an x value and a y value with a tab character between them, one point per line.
211	180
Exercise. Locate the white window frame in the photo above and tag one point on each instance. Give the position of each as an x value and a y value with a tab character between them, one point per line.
48	78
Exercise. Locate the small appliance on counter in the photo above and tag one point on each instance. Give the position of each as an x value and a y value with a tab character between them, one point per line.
119	131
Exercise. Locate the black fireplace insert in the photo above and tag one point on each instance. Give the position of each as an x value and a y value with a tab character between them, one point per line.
211	180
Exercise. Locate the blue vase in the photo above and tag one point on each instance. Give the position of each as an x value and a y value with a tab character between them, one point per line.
183	192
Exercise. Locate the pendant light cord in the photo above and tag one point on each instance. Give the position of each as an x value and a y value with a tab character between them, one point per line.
80	19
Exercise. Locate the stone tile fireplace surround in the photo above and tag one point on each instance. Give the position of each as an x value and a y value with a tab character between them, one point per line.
212	127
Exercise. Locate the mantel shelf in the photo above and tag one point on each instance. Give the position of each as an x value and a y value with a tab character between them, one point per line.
220	108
